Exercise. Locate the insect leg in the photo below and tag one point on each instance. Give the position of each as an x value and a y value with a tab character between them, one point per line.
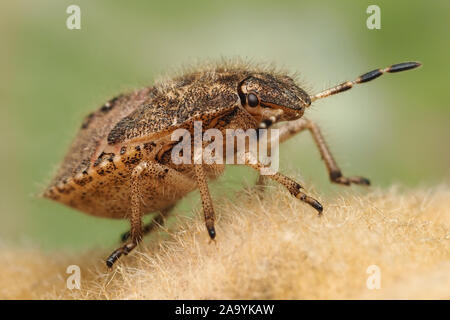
149	227
153	169
208	209
286	131
261	183
173	178
291	128
293	187
135	217
333	169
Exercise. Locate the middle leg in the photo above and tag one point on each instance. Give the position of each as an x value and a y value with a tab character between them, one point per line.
208	209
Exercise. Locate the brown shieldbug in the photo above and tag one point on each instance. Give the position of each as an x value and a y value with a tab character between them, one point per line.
119	165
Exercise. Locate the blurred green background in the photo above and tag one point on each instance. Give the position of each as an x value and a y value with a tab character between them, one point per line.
393	130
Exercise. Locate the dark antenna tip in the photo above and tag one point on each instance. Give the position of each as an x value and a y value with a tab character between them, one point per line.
403	66
365	78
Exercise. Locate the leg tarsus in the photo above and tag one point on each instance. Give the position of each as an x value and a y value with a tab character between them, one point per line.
336	177
355	180
311	201
307	199
211	231
123	250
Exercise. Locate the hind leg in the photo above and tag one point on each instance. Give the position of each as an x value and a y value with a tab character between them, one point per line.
152	225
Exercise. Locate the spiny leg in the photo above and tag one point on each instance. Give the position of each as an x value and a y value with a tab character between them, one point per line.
333	170
135	217
158	220
208	209
293	187
172	177
155	170
292	128
335	173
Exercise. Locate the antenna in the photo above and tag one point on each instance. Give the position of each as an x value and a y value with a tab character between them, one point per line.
365	78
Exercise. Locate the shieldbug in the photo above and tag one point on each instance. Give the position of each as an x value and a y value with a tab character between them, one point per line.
119	165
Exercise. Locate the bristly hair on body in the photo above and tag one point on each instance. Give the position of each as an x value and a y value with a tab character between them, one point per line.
210	68
122	153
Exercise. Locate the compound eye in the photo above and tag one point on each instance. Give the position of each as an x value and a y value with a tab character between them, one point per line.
252	99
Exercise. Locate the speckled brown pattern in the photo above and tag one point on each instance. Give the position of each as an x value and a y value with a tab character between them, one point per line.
120	165
94	175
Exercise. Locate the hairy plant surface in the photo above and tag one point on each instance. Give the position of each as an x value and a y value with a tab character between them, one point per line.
269	248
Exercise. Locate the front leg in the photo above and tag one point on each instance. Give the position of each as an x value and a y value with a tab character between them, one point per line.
293	187
292	128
